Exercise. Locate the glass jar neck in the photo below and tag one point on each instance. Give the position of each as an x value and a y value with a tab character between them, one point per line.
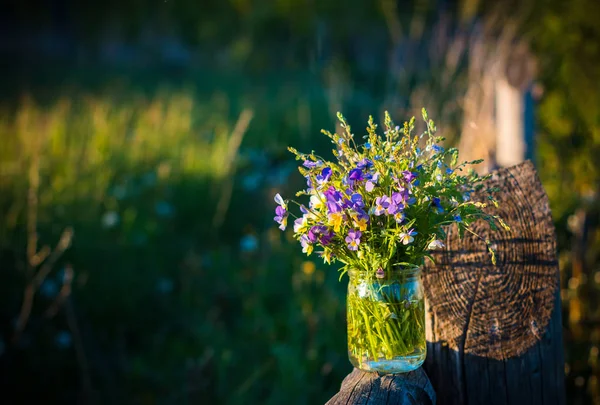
393	274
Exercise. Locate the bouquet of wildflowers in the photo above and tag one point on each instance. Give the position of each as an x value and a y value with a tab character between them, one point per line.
386	200
380	209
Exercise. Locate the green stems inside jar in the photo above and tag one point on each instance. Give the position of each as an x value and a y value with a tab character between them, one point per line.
386	320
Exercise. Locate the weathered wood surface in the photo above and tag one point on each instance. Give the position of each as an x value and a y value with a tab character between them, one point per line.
360	387
494	332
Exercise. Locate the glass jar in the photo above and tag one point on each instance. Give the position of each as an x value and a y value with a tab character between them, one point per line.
386	320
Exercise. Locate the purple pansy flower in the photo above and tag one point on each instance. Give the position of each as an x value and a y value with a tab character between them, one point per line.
321	234
380	273
353	239
399	217
331	194
306	244
364	164
381	204
324	176
392	208
314	232
281	215
400	197
409	176
326	237
355	175
372	180
333	206
361	214
356	201
310	164
334	199
408	236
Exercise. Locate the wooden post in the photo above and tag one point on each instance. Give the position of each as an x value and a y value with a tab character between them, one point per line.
494	333
360	387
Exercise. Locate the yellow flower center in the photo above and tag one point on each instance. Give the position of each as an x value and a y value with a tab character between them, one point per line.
335	220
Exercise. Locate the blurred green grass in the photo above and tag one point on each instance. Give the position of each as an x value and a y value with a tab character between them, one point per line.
172	304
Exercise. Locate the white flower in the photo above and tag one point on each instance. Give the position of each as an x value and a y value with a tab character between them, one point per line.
436	244
280	201
316	201
302	224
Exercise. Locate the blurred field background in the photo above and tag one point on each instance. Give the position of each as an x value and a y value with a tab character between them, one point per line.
141	144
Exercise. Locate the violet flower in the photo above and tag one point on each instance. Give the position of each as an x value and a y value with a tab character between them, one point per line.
306	244
333	207
392	208
407	237
355	175
356	201
281	216
333	195
324	176
372	180
326	237
399	217
408	176
281	213
353	239
364	164
400	197
321	234
381	204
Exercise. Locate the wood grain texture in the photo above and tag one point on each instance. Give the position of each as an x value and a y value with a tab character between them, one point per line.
494	332
361	387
